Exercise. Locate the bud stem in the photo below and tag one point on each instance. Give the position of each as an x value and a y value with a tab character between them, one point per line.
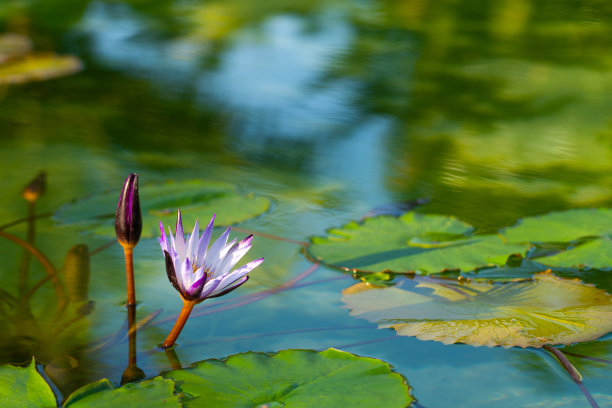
180	323
129	275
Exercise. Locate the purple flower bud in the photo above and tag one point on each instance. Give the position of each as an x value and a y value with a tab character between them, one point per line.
128	220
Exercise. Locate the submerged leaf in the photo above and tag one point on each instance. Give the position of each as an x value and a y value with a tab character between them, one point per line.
528	313
13	46
292	378
412	243
159	202
38	67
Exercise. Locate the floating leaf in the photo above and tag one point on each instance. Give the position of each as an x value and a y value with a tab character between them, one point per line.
410	243
562	226
195	198
24	387
154	393
38	67
594	254
531	313
292	378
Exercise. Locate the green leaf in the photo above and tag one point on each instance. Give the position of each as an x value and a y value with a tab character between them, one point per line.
38	67
411	243
195	199
528	313
292	378
593	254
24	387
158	392
562	226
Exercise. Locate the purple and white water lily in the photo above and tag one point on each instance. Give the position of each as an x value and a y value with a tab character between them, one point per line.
198	271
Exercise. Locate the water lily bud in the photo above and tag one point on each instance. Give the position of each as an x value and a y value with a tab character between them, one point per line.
36	187
128	220
76	273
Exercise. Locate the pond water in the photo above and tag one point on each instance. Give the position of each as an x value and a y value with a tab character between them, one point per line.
330	110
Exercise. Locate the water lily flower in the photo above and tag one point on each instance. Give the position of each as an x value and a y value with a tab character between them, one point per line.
199	272
128	227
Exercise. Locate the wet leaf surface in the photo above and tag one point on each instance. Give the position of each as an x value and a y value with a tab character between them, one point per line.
411	243
524	313
292	378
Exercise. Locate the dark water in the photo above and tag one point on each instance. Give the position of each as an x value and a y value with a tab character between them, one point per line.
492	112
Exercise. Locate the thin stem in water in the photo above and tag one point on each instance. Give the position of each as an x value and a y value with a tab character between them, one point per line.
569	367
44	261
129	275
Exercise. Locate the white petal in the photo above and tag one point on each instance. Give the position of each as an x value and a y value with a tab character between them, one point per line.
213	251
192	245
232	258
215	264
179	239
204	241
240	272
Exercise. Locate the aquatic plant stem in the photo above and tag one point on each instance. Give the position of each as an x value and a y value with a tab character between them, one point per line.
44	261
129	274
20	220
569	367
270	236
27	256
180	323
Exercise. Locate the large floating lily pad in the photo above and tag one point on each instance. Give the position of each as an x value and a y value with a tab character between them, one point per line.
562	226
155	393
24	387
38	67
195	199
531	313
292	378
411	243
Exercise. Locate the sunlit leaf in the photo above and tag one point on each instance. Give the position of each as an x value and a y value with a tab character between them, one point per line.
594	254
154	393
528	313
292	378
562	226
38	67
410	243
195	199
24	387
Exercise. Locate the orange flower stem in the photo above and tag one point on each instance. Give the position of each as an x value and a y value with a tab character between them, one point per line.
129	275
180	323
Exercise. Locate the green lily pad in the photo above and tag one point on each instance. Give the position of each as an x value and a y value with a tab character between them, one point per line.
38	67
292	378
528	313
593	254
195	199
411	243
562	226
154	393
24	387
